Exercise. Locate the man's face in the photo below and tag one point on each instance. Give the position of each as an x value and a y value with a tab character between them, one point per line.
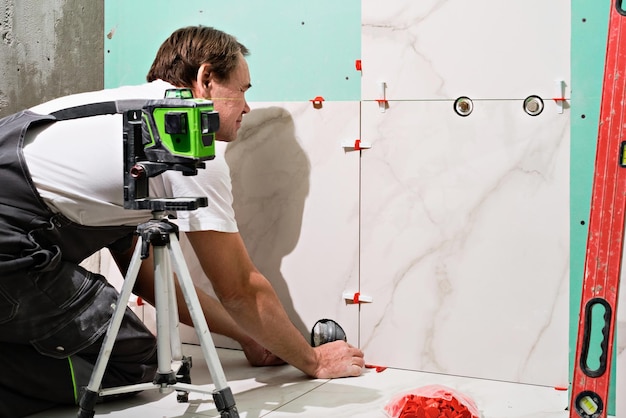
229	100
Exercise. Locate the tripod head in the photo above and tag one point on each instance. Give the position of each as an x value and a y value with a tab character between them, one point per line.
174	133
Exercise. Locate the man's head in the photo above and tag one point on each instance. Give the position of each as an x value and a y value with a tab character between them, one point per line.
212	64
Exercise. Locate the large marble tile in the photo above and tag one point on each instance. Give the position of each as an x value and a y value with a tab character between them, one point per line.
485	49
464	240
296	199
367	396
285	392
257	391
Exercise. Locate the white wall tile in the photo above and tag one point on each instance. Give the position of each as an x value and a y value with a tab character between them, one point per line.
465	240
485	49
296	194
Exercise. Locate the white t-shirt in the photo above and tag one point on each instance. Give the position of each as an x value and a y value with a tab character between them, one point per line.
77	167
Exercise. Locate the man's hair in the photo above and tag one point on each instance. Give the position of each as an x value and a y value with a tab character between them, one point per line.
182	54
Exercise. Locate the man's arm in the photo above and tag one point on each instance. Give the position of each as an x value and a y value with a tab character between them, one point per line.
251	301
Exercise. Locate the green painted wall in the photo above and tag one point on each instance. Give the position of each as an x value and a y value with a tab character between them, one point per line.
299	49
589	35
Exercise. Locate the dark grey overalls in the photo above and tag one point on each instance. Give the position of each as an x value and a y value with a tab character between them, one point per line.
54	313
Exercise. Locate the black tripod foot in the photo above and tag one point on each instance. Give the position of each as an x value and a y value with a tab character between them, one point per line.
87	404
183	376
225	403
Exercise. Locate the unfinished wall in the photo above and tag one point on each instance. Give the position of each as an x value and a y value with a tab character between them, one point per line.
48	49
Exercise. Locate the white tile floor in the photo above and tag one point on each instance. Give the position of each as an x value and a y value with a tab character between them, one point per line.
285	392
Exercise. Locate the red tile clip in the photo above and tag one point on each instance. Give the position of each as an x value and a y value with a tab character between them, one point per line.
358	65
317	102
560	103
383	103
378	368
357	298
559	96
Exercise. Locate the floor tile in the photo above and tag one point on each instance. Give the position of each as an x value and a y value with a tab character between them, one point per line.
283	391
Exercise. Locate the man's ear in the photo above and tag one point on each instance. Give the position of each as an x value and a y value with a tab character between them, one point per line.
203	80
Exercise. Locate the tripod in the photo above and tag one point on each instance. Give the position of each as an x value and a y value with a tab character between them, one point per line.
162	235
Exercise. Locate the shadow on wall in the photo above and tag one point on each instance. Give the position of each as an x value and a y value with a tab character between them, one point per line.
270	177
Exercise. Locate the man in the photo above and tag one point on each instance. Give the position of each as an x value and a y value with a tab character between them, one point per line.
62	200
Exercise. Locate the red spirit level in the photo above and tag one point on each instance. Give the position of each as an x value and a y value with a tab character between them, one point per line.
598	306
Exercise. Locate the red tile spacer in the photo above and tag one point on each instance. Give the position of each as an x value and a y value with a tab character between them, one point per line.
317	102
358	65
357	147
140	301
378	368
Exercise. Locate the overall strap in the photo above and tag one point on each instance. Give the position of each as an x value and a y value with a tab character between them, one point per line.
96	109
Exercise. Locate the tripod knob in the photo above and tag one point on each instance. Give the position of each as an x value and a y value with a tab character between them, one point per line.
155	232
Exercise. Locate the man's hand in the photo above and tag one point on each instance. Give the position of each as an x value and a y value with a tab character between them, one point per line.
338	359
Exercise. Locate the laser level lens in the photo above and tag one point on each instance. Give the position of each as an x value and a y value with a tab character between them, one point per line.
210	122
178	94
176	123
205	124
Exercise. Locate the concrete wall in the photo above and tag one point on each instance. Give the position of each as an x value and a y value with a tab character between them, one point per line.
49	48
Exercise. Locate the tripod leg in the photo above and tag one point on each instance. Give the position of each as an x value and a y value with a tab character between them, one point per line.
176	345
162	279
223	397
90	396
183	364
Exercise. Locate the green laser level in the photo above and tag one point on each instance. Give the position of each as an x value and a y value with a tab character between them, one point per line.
179	128
173	133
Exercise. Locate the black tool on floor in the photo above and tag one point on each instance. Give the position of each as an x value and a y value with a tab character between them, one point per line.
326	331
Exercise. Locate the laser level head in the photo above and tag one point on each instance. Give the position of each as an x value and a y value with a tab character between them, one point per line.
173	133
179	128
